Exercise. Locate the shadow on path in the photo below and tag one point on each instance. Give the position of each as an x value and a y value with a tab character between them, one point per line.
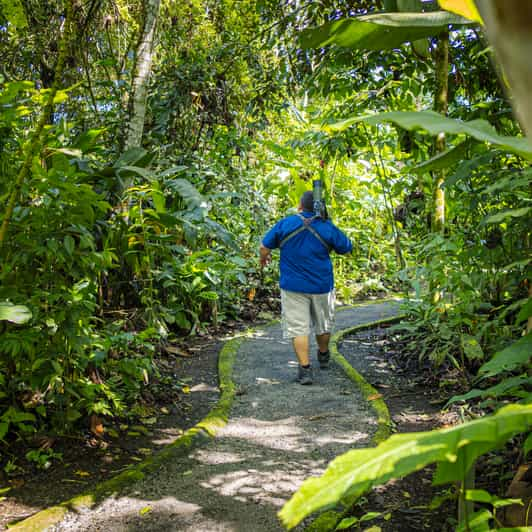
279	433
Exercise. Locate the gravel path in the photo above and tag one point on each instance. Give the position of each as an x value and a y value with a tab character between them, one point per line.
279	433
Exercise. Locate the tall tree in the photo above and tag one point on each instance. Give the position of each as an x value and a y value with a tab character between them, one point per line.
441	103
141	74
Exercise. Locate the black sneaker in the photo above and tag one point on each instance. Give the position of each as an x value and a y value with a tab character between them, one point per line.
323	359
304	375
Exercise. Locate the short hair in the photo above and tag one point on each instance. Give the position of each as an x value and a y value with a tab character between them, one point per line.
307	201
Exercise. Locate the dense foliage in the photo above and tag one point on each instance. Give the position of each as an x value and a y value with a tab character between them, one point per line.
110	248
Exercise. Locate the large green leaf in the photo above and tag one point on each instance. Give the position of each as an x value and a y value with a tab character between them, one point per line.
514	356
505	387
525	312
435	124
357	471
14	313
188	192
130	171
86	141
504	215
380	31
137	157
443	160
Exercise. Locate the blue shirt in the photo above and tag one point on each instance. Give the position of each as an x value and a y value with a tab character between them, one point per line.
305	263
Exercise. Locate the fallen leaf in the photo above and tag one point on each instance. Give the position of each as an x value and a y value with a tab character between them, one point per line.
374	396
82	473
175	351
96	426
165	410
185	389
145	510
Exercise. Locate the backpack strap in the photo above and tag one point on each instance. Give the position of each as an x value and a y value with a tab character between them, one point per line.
305	227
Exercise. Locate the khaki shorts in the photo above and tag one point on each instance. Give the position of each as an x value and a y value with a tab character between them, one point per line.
302	313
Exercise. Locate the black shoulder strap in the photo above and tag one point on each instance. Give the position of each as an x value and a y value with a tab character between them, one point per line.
305	227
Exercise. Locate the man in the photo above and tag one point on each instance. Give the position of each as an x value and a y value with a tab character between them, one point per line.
307	282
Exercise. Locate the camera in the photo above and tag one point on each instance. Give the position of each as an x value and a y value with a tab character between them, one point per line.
319	203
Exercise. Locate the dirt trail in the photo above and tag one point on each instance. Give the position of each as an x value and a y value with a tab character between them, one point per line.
279	433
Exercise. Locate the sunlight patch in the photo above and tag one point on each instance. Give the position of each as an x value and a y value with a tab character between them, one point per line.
217	457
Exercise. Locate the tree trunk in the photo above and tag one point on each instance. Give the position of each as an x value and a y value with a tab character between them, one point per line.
509	28
38	137
141	75
440	106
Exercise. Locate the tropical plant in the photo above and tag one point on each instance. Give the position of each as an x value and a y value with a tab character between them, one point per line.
454	450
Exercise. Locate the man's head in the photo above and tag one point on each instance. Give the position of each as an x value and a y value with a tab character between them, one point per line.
306	203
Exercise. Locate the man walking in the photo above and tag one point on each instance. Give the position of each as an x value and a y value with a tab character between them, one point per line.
307	281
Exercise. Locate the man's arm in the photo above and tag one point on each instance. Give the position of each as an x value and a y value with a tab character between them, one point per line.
341	244
265	255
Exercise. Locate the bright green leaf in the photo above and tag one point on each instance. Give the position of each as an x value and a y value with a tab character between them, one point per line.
355	472
69	244
478	522
435	124
504	215
501	389
18	314
13	11
159	201
478	496
380	31
516	355
442	160
85	141
346	523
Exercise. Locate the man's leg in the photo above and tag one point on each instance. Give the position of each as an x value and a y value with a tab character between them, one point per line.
323	349
301	347
296	325
323	341
322	311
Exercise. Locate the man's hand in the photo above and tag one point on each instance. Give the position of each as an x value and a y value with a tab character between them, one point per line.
265	256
